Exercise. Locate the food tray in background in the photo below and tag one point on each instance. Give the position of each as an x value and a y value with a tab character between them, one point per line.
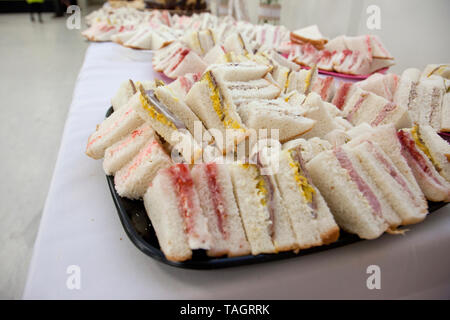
138	227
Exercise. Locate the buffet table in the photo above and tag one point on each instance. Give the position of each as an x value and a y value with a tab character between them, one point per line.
80	227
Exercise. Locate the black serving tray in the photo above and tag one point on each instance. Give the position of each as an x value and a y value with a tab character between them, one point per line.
138	227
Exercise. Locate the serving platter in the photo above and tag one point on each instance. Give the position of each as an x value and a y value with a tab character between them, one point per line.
139	230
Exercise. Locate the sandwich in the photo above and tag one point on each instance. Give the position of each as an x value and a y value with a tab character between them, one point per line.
309	34
357	204
324	87
140	39
176	60
277	115
382	85
166	113
133	179
173	206
442	70
162	37
308	148
428	156
201	41
213	182
430	94
406	93
112	129
211	100
310	217
302	81
343	92
445	120
317	110
126	90
264	216
121	152
238	44
183	84
408	203
365	106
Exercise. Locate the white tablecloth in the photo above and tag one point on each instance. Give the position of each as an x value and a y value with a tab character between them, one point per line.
80	227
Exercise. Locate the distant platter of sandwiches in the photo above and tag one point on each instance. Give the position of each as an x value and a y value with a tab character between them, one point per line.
360	157
185	44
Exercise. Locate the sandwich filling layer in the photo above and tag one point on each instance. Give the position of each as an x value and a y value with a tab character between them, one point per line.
217	198
363	187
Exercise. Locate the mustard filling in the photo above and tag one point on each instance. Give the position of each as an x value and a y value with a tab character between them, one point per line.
155	114
305	188
260	185
419	143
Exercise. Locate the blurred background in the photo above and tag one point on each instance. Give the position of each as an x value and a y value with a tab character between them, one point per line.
40	59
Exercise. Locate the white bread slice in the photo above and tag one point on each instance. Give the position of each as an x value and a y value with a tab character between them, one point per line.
111	130
433	185
316	110
379	63
406	92
308	148
438	148
141	39
179	108
407	203
275	115
324	87
120	153
161	204
238	44
263	88
302	81
212	103
213	183
244	71
165	123
347	190
162	37
362	44
126	90
184	62
365	106
429	98
382	85
294	98
123	36
442	70
254	214
337	137
352	62
133	179
183	84
309	34
445	120
201	41
378	49
336	44
310	218
343	92
214	54
386	137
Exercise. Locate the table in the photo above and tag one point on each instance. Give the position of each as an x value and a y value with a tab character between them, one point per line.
80	227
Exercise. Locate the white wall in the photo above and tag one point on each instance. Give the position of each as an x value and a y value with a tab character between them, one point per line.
416	32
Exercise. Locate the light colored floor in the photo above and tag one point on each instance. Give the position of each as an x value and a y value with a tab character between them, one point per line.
39	64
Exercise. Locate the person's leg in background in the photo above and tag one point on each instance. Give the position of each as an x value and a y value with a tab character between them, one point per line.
32	8
39	10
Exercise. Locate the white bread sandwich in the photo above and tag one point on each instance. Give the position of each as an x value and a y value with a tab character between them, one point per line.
121	152
183	84
239	44
213	183
383	85
173	206
442	70
309	34
162	37
278	115
365	106
244	91
408	203
445	120
325	87
214	55
176	60
126	90
141	39
211	101
343	92
352	62
201	41
317	110
310	217
265	219
379	51
429	167
430	94
133	179
162	110
308	148
406	93
302	81
112	129
357	204
123	37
